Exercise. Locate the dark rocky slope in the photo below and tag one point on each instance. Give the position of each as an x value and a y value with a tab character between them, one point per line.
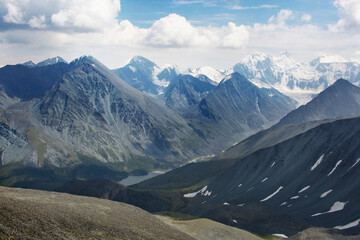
340	99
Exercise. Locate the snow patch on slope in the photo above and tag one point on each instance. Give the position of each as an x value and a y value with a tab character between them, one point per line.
193	194
336	165
317	162
273	194
337	206
280	235
326	193
357	161
304	189
349	225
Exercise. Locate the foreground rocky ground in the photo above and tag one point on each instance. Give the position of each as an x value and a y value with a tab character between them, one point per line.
31	214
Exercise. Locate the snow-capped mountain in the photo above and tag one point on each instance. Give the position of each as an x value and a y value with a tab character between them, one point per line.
47	62
210	72
51	61
146	76
298	80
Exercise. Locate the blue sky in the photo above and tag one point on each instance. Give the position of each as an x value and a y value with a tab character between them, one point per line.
187	33
217	12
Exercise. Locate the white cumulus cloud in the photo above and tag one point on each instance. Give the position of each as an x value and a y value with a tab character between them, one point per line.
37	22
14	12
349	12
91	14
176	31
80	14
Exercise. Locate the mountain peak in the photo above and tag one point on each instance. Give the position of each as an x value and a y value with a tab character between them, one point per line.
139	60
83	59
29	64
342	81
235	76
341	85
208	71
51	61
256	57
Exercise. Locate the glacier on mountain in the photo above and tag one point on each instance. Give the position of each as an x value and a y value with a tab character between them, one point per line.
300	81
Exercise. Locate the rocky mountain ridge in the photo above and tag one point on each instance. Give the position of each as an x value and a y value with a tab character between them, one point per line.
300	81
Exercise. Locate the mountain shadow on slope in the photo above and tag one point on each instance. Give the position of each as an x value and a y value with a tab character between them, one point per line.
235	109
339	100
27	83
185	91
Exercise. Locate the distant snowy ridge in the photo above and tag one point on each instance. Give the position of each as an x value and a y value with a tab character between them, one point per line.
299	81
210	72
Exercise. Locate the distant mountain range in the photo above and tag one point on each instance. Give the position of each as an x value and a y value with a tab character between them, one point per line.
300	81
47	62
297	80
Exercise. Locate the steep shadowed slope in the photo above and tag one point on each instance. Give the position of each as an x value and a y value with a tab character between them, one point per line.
307	180
27	83
235	109
185	91
340	99
311	177
139	74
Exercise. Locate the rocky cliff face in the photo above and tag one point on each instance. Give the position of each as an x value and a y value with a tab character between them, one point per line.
185	91
95	113
235	109
14	146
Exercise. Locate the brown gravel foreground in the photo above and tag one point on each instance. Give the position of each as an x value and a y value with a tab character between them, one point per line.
205	229
32	214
